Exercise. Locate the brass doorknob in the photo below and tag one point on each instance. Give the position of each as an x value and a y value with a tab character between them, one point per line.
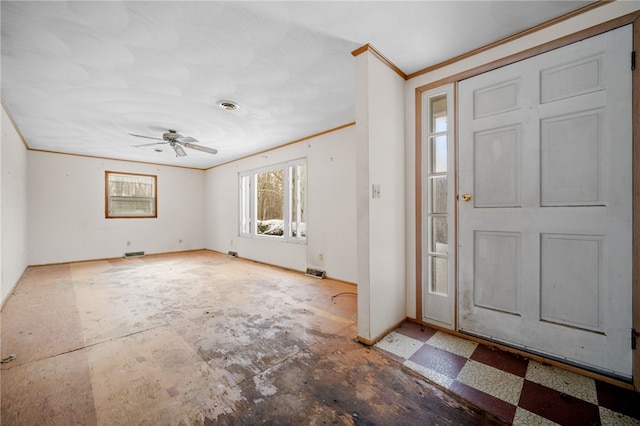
465	197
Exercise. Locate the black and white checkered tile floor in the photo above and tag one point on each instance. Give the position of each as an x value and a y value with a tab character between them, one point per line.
517	390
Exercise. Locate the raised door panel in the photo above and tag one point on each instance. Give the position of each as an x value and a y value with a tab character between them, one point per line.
496	165
496	99
497	270
572	79
572	159
572	287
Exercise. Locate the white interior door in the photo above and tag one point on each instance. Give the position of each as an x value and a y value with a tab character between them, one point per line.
545	239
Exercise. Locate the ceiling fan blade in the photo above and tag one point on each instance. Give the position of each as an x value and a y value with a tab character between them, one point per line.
178	149
187	139
148	144
147	137
201	148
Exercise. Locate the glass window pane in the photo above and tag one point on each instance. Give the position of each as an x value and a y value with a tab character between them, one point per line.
438	194
438	276
273	202
131	206
438	235
245	205
131	195
298	200
270	203
438	154
438	112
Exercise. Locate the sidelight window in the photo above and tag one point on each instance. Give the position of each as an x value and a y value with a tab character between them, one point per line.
437	177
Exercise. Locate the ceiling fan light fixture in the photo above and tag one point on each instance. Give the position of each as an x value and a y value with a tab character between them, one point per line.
228	105
178	149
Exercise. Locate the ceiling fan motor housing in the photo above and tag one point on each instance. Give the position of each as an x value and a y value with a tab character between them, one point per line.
171	135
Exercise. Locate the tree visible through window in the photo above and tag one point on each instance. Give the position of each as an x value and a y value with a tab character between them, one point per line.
270	208
130	195
273	201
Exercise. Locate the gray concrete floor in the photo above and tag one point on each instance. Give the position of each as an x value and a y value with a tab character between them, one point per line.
200	338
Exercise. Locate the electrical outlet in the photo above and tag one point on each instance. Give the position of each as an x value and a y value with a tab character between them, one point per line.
180	241
321	257
128	243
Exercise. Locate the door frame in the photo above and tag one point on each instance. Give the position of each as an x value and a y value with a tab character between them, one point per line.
633	19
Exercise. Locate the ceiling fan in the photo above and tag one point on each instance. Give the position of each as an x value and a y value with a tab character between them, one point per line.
176	141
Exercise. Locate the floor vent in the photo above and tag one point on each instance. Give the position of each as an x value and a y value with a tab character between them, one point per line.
232	254
315	273
134	254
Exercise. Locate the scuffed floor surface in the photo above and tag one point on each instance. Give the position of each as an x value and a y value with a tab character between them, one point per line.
200	338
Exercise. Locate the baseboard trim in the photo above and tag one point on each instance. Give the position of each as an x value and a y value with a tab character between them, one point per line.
371	342
98	259
273	265
13	288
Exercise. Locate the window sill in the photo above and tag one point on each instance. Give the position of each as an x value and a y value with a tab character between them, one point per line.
273	238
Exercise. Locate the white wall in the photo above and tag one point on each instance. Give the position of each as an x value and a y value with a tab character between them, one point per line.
381	221
583	21
331	207
13	203
332	203
66	218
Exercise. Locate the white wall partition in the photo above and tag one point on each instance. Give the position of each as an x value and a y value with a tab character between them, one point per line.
66	196
331	217
13	202
380	195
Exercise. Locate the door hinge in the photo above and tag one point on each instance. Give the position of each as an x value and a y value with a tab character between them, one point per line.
633	60
634	336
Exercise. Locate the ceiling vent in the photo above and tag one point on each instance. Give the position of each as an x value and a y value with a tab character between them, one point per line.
228	105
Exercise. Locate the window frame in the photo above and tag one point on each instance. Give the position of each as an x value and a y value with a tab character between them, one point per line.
247	201
107	198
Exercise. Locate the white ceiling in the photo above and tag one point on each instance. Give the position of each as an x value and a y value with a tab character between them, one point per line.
79	76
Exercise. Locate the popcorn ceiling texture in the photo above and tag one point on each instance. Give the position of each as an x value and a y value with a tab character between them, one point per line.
78	77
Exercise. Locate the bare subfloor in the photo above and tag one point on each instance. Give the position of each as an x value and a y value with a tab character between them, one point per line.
200	338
